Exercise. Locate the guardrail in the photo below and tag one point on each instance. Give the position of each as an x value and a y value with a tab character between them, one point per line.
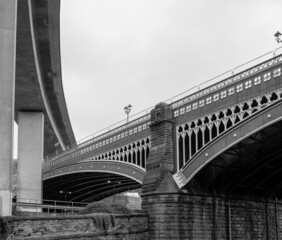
174	99
48	206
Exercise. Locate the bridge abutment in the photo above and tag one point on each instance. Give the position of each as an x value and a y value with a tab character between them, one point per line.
29	170
8	16
183	216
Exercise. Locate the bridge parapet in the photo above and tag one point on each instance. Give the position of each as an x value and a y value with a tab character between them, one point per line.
249	83
129	143
125	130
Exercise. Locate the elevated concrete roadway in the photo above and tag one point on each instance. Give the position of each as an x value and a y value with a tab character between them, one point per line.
31	94
39	85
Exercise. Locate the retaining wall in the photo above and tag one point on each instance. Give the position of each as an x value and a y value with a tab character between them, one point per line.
98	226
181	216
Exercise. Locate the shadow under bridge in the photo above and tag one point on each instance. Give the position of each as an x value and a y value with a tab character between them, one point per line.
91	181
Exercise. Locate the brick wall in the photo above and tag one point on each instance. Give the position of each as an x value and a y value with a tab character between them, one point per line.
98	226
182	216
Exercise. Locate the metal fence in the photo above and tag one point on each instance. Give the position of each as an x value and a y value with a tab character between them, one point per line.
48	206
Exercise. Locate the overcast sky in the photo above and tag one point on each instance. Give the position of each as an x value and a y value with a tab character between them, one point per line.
142	52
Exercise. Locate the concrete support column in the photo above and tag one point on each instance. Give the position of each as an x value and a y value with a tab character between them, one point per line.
30	157
8	14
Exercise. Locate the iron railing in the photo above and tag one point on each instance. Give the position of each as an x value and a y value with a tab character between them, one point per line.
48	206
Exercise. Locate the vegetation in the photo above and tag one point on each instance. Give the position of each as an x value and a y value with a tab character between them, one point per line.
4	227
99	207
103	217
104	211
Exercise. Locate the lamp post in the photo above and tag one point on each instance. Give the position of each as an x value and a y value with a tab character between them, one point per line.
65	194
114	184
277	36
127	110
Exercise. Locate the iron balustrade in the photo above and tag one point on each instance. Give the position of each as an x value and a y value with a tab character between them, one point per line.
98	140
227	82
135	154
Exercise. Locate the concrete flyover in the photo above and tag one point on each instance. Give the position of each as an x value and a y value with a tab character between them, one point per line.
31	94
39	85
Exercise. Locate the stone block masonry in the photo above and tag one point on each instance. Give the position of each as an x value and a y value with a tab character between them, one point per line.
183	216
83	227
170	216
160	161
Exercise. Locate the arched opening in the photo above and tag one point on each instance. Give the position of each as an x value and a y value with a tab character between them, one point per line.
200	139
193	143
143	156
187	148
134	157
180	151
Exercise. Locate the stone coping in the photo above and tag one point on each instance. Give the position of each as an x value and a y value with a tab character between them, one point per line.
222	196
71	217
83	235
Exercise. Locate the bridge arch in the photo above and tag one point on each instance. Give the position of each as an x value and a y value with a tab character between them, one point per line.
92	181
264	119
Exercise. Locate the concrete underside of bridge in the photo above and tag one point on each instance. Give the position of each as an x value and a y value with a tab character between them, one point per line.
31	84
38	85
87	186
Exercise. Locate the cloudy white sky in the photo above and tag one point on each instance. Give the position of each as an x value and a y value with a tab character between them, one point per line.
142	52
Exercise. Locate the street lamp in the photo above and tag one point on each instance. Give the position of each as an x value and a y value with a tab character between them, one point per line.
277	36
127	110
65	194
114	184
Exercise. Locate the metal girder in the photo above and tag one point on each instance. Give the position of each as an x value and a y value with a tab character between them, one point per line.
59	182
83	185
251	166
264	180
272	191
100	187
248	172
103	195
